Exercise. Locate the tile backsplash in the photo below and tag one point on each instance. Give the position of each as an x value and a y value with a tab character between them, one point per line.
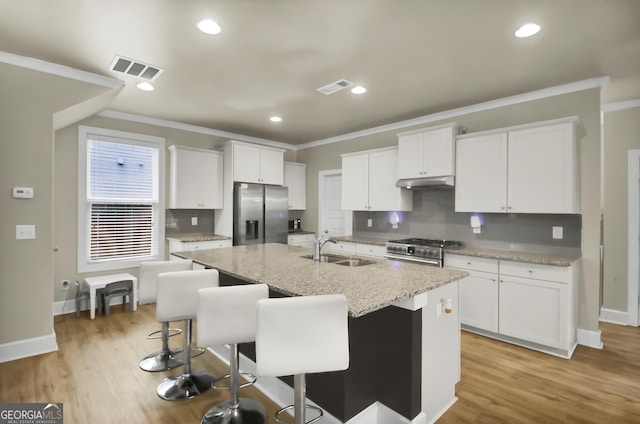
433	216
178	221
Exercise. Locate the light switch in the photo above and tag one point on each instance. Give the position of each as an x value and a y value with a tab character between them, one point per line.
557	233
194	220
25	232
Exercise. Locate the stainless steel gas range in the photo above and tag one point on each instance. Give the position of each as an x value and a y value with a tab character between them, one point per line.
427	251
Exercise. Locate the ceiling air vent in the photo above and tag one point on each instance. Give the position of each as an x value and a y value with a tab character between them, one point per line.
334	87
135	68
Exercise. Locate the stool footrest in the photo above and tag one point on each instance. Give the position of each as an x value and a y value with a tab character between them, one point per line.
251	379
245	411
290	407
158	334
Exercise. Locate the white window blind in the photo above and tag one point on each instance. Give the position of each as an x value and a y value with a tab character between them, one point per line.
121	231
121	199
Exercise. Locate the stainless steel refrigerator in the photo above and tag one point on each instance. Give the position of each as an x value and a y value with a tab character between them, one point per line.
260	214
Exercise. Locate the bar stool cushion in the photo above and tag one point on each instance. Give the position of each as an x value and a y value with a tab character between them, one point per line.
299	335
177	297
227	315
149	271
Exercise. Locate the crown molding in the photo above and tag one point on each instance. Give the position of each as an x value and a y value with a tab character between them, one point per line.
616	106
109	113
59	70
573	87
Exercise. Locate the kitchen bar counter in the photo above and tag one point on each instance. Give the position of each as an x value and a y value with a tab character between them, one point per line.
368	288
404	330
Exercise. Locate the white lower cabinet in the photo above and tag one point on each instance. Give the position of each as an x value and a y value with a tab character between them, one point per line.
303	240
342	247
182	246
535	304
532	305
478	292
371	250
351	248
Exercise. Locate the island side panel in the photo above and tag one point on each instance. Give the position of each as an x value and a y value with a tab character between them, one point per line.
441	351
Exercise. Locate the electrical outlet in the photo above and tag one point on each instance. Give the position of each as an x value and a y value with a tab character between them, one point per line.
557	233
369	223
64	285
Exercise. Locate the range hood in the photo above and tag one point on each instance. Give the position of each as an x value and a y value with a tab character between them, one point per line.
426	182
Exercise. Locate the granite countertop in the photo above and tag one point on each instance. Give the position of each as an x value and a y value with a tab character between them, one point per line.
513	255
368	288
191	237
362	239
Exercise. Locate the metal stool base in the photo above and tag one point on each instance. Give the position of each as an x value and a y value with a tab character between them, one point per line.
185	386
247	411
162	361
319	411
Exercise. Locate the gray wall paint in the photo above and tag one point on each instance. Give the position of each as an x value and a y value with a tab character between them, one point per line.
433	216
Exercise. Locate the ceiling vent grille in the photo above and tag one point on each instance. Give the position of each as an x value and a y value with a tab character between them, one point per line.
334	87
135	68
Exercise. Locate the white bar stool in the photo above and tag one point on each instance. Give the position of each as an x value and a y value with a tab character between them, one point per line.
178	300
299	335
166	358
227	315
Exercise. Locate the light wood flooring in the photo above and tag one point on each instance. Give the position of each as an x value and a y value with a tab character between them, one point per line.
95	374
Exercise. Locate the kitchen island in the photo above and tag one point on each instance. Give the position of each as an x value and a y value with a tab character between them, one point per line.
404	331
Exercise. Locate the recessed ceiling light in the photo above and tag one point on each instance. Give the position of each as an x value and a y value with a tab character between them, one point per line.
275	119
209	26
358	89
527	30
145	86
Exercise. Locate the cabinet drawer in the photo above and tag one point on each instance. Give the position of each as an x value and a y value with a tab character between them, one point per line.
560	274
344	247
471	263
295	239
371	250
178	246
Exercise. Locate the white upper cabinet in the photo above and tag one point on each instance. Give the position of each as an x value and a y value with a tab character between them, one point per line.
427	152
195	178
369	182
295	178
529	169
257	164
481	180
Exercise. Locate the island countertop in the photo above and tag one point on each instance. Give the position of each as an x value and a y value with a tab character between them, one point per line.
368	288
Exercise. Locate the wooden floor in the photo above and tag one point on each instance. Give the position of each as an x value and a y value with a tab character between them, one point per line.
95	374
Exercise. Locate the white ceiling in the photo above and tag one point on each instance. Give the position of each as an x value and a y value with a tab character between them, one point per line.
416	57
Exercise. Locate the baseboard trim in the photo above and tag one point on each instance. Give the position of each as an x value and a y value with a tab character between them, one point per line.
280	393
69	306
590	338
28	347
614	316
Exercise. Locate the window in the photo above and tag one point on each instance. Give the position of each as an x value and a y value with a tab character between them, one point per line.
120	199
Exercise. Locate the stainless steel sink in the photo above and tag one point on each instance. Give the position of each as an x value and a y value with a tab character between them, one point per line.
342	260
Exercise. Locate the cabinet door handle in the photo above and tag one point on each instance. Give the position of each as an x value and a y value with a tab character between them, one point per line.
530	272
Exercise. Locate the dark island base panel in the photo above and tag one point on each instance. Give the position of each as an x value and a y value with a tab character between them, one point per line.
384	365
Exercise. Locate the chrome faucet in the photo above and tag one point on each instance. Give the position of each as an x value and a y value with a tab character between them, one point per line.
318	243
